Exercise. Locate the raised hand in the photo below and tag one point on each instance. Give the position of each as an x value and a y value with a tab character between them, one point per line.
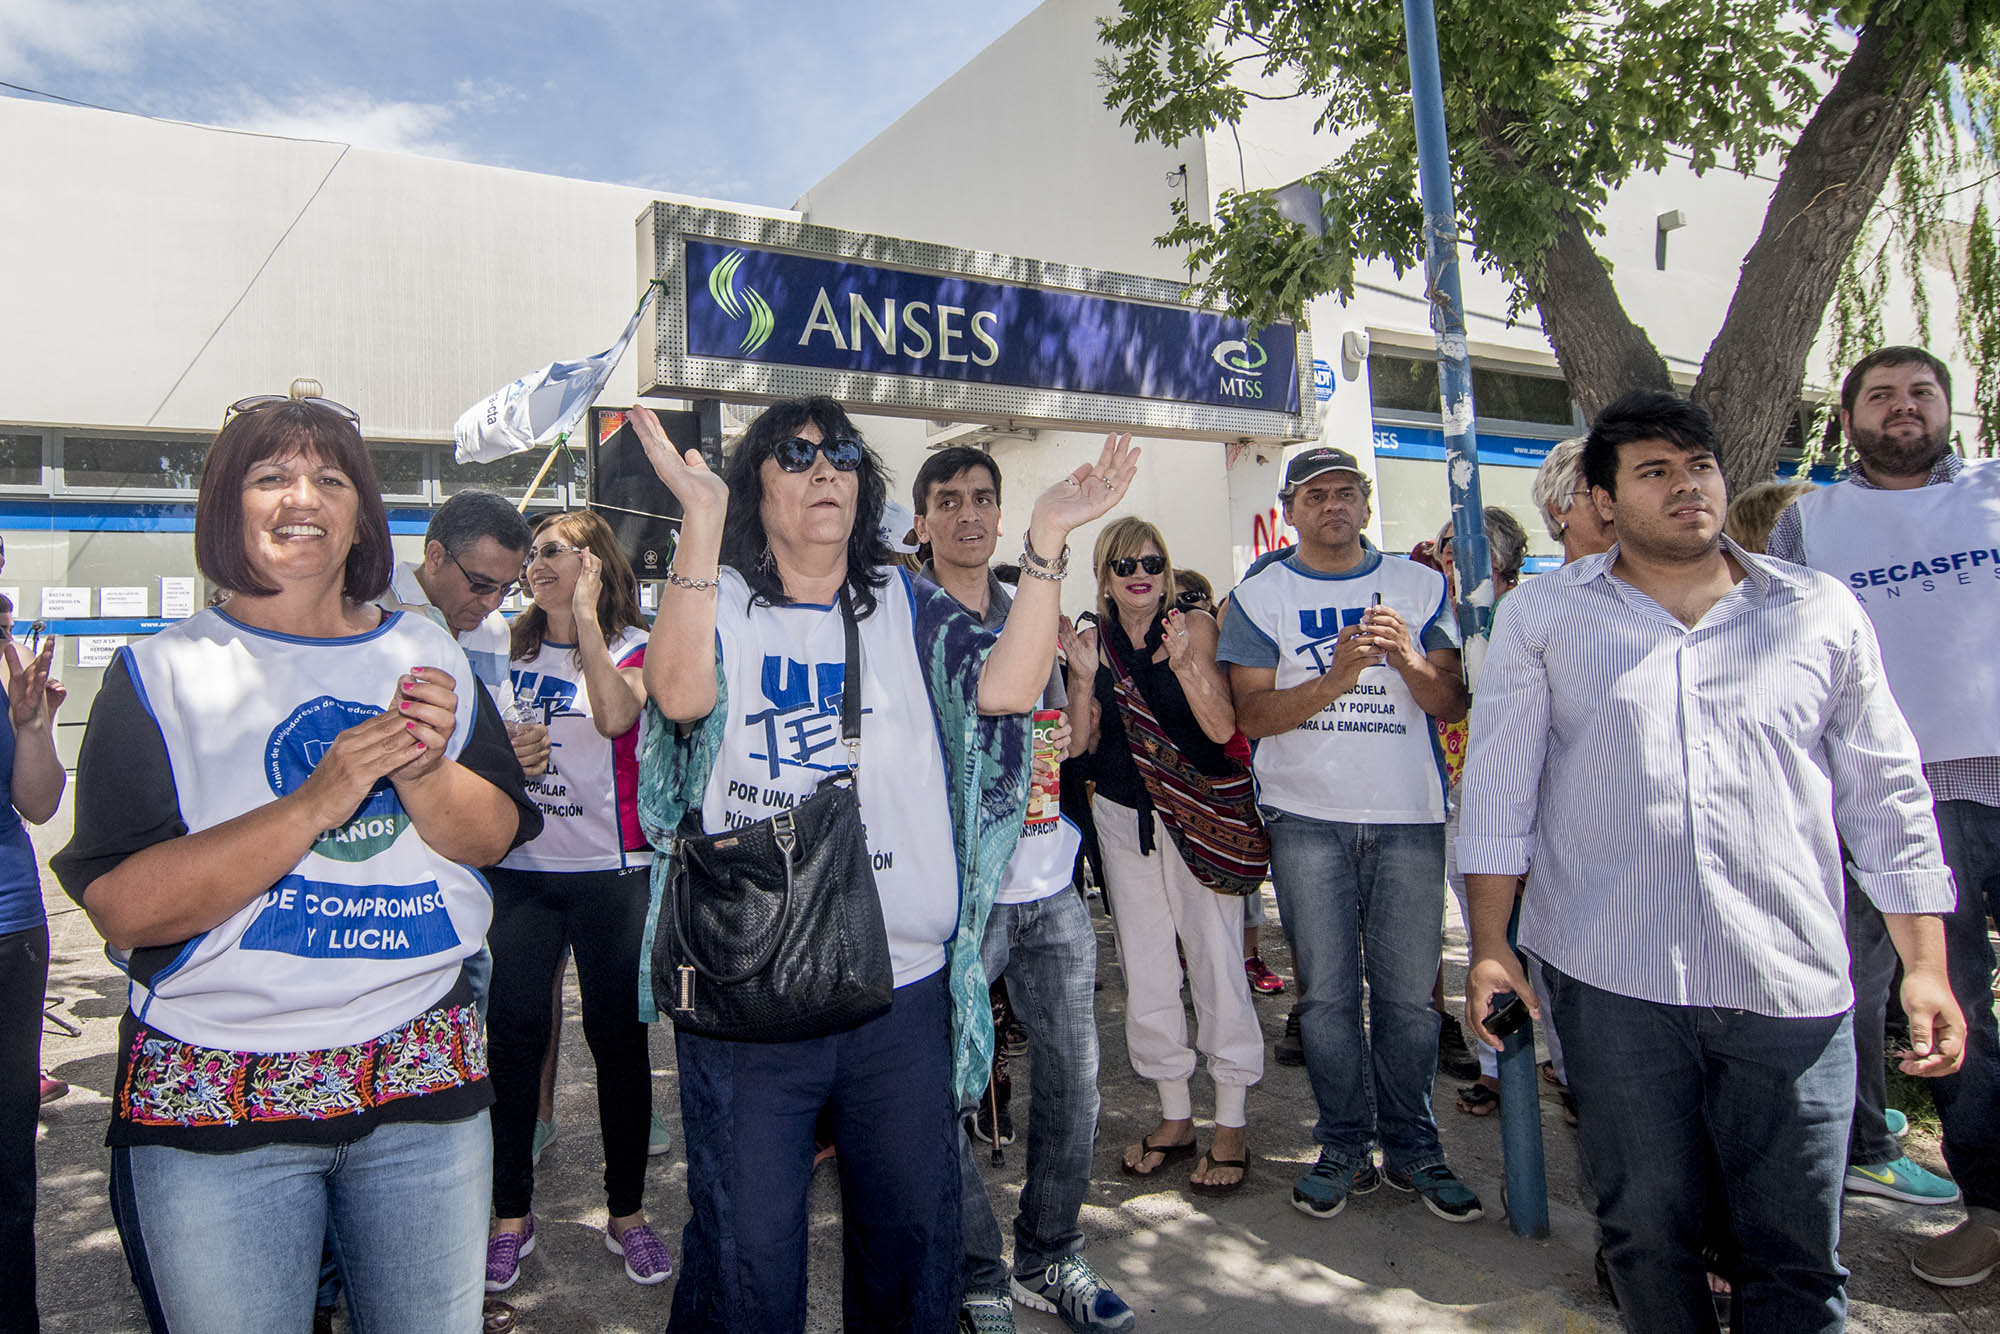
32	699
1079	647
700	491
589	583
1090	491
1179	644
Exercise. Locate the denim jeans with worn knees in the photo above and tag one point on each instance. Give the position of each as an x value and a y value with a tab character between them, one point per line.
1659	1088
1365	901
1968	1102
1047	950
230	1243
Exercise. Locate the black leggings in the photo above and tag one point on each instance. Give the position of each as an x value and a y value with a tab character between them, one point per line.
24	974
602	916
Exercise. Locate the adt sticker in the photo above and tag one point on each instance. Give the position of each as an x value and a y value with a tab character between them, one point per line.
295	749
1322	380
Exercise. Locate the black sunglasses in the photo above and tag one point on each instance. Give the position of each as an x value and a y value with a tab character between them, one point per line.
1125	565
1190	599
481	586
796	454
258	402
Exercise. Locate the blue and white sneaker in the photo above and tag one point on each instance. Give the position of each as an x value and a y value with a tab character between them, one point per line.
1323	1192
1071	1289
1904	1180
1443	1193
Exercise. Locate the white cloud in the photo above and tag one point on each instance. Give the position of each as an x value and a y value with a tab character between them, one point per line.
42	37
353	118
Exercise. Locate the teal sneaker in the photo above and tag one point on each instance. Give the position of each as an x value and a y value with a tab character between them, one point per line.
1071	1289
1443	1194
1899	1125
1323	1192
544	1132
1901	1180
659	1139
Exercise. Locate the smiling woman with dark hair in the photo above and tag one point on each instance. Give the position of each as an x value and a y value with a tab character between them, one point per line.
276	808
748	673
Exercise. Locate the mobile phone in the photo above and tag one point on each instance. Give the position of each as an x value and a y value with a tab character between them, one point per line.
1505	1013
35	636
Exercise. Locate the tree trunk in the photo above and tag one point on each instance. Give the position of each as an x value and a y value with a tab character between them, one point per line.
1755	369
1601	351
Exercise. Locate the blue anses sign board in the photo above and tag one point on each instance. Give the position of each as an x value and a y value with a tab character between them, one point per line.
771	307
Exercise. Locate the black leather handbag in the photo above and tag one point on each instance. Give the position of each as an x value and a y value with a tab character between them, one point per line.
776	929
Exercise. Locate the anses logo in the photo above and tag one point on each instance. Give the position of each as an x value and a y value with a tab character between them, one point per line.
722	286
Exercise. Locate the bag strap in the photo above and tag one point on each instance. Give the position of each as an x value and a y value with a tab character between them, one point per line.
850	690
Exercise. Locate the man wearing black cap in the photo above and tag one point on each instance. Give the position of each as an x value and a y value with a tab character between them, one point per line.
1339	658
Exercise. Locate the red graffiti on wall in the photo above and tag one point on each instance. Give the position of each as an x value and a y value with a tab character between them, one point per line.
1267	533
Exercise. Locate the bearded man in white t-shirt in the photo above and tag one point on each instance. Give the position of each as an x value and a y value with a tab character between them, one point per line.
1339	658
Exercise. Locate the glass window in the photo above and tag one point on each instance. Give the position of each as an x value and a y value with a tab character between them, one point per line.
1515	397
1403	384
20	460
1410	384
170	463
401	470
509	476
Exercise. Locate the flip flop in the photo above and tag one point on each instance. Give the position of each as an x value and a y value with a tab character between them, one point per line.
1478	1100
1229	1188
1169	1153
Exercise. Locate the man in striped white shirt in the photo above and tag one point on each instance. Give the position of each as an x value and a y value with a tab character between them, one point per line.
1916	530
1675	737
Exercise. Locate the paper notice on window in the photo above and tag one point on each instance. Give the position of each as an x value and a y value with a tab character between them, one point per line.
60	604
176	597
97	650
122	601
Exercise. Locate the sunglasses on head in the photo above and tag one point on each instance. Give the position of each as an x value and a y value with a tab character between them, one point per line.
796	454
1125	565
1190	599
258	402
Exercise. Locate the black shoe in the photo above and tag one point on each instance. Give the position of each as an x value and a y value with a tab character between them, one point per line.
1012	1036
1290	1049
1453	1056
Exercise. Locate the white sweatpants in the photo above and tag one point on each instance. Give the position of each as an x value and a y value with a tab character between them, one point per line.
1155	900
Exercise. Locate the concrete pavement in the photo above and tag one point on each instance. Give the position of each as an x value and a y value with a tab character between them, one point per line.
1249	1259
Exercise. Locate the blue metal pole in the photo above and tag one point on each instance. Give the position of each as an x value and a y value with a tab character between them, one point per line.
1461	444
1520	1102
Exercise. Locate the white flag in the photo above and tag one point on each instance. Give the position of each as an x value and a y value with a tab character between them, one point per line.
542	406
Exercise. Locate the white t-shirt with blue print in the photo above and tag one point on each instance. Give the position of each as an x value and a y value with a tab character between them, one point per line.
1371	756
786	669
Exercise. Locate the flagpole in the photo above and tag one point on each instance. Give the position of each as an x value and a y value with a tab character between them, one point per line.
548	461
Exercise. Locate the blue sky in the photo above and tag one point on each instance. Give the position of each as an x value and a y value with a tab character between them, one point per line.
751	101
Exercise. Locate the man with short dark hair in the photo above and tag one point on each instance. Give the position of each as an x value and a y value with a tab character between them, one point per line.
1675	736
1040	937
1339	658
474	547
1914	531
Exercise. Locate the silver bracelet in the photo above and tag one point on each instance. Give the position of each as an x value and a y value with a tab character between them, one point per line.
679	580
1039	567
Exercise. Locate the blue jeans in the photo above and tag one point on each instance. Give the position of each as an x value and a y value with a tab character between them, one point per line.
226	1242
1048	951
1968	1102
1365	900
747	1112
1661	1089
